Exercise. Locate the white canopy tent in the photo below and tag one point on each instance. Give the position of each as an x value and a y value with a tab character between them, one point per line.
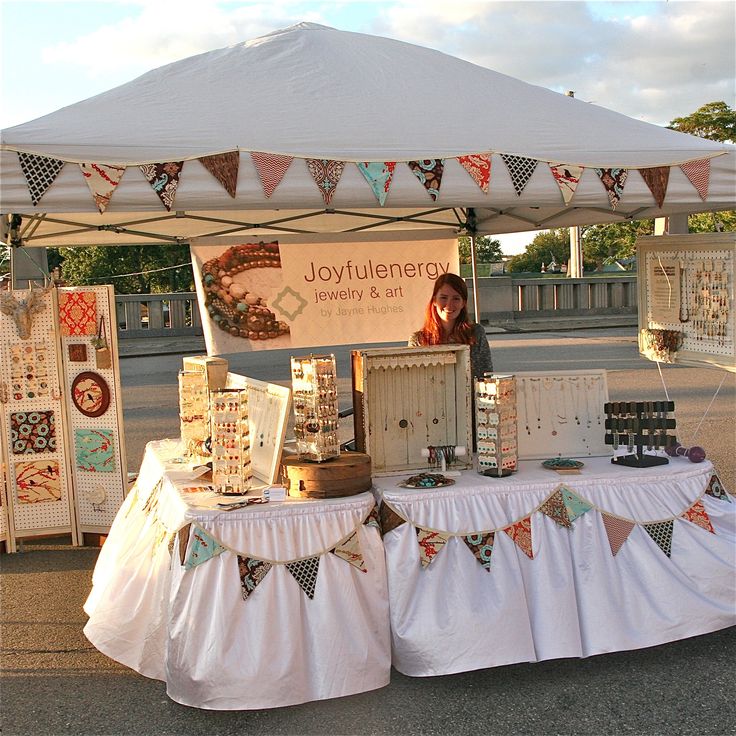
314	92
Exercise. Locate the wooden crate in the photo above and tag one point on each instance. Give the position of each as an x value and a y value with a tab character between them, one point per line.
406	399
346	475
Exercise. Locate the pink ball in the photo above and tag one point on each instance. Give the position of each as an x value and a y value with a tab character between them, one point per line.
696	454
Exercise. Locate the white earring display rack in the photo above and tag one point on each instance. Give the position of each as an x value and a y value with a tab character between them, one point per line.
687	313
495	424
232	471
409	399
560	414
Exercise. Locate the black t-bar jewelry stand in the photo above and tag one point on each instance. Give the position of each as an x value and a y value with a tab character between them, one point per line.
639	425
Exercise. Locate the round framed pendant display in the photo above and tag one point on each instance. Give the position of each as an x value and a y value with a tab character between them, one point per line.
90	394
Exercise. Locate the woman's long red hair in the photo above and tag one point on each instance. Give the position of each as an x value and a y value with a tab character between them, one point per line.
432	330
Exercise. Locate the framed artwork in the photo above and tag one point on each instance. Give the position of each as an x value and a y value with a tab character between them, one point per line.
94	450
32	432
78	313
77	352
38	481
90	394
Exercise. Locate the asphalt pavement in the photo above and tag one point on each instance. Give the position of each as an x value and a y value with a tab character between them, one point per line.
54	682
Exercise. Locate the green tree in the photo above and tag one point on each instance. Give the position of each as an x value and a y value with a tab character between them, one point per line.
715	121
487	249
616	240
96	265
545	246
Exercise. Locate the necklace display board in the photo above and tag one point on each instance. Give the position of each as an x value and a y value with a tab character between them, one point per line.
686	299
560	414
409	399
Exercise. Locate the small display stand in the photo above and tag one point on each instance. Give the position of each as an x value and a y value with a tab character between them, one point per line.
231	466
314	383
495	417
639	425
346	475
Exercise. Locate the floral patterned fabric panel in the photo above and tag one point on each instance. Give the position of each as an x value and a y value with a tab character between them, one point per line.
32	432
94	450
38	481
29	377
77	313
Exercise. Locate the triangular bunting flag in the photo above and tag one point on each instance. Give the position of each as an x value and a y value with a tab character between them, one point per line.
716	490
349	550
429	172
656	179
40	173
102	181
481	545
305	573
326	175
378	174
373	519
699	516
554	507
224	167
183	542
661	533
203	547
613	181
567	177
251	573
271	169
479	167
164	180
574	504
520	169
698	174
618	531
389	519
521	533
430	544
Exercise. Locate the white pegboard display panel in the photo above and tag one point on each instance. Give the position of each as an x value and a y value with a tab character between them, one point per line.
686	287
96	447
39	491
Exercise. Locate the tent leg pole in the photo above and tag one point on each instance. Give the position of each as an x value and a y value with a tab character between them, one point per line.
476	311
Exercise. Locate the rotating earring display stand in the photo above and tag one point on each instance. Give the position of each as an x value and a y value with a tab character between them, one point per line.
639	425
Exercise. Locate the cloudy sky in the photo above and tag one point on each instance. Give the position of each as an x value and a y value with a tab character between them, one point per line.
649	60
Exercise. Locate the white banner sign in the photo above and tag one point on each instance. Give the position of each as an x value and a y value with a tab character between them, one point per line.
264	295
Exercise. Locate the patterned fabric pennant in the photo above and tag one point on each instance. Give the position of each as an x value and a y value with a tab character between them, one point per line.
32	432
661	533
554	507
326	175
574	504
224	167
183	535
698	174
716	490
613	181
164	180
38	481
305	573
378	174
657	179
389	519
102	181
350	551
373	519
40	173
520	169
78	313
567	177
617	530
429	172
204	547
699	516
521	533
252	572
271	169
94	450
479	167
430	544
481	545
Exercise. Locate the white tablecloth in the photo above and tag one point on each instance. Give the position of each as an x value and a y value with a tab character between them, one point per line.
574	598
192	628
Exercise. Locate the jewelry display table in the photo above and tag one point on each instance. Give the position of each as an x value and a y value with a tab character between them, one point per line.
620	558
217	603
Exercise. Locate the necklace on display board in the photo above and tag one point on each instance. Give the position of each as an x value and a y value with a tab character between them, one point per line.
537	402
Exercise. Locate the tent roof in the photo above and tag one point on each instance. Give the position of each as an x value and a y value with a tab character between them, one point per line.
314	92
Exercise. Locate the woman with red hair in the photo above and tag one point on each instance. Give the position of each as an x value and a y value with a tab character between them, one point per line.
446	322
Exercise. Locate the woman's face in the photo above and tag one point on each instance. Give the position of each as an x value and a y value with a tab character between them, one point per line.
448	303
